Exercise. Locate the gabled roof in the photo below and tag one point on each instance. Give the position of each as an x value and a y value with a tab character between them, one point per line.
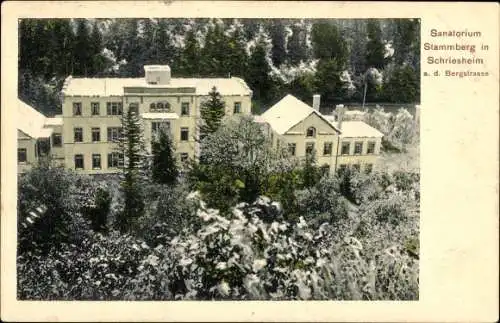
288	112
115	86
358	129
31	122
351	129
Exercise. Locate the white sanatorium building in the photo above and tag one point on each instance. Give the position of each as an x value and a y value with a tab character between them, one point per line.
83	137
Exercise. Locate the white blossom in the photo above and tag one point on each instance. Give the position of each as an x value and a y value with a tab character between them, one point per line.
258	264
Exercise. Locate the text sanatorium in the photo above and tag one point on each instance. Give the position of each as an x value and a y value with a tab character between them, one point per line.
455	33
451	47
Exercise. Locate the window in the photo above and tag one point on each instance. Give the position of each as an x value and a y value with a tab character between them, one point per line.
237	107
185	109
309	148
56	140
371	148
342	168
115	160
311	132
184	157
159	125
78	161
368	168
78	134
358	148
114	133
291	149
184	134
345	148
114	108
325	169
77	108
96	134
327	149
22	155
95	108
134	108
356	167
159	106
96	161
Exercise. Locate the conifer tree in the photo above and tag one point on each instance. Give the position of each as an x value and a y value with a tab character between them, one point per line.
403	86
375	49
165	50
164	168
212	111
237	59
189	59
328	43
82	55
328	82
99	62
296	47
277	33
134	172
213	59
258	74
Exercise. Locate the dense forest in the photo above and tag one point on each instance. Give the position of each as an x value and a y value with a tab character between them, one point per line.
335	58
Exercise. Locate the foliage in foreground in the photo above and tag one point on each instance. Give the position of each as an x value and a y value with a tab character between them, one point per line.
236	257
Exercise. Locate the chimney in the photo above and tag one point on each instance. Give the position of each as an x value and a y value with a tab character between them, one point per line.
316	100
157	74
339	108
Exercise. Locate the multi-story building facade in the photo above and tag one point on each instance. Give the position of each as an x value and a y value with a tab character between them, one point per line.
335	143
92	111
84	137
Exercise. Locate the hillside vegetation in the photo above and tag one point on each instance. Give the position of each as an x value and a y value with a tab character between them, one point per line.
334	58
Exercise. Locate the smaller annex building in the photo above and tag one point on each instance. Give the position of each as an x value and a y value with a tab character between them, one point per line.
335	143
37	136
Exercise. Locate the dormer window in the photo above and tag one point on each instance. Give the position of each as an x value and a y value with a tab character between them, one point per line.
311	132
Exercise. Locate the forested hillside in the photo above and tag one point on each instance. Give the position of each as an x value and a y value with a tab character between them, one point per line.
334	58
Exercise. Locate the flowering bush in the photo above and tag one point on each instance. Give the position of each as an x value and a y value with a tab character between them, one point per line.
243	257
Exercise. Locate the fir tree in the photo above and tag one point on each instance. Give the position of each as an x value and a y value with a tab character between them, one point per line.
213	59
258	74
277	33
99	62
212	111
82	55
134	170
375	49
403	86
406	40
189	59
164	164
296	47
165	50
328	81
237	59
328	43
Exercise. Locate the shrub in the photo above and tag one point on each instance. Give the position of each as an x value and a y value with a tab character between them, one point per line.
244	258
322	203
63	195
